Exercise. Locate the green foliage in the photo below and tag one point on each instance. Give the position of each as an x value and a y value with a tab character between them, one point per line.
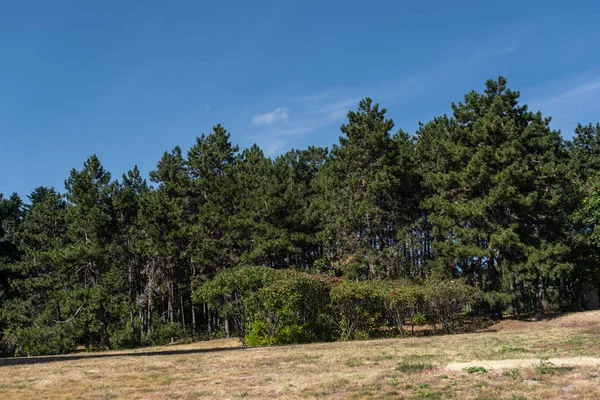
355	307
233	293
447	299
38	340
165	333
475	370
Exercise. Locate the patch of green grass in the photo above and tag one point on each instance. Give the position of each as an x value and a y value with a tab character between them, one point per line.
547	368
409	368
354	362
512	373
574	341
418	357
511	349
475	370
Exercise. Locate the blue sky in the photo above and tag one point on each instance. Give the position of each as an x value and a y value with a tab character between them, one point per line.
128	80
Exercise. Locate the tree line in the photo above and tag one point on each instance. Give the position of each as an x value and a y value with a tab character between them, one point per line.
489	196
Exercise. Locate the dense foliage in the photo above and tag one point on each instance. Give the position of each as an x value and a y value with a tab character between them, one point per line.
269	306
384	231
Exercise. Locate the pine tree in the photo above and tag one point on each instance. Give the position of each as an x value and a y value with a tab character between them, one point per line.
361	194
92	225
494	178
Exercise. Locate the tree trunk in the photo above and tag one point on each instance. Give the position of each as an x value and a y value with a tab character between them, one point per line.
193	319
149	318
103	327
170	302
131	302
182	310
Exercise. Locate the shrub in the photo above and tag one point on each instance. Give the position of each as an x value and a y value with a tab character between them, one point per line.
36	340
402	301
233	293
446	300
165	333
355	306
267	306
294	299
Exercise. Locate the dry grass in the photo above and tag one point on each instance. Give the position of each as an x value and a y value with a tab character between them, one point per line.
390	368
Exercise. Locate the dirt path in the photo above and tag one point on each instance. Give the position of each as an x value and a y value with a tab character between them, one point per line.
524	363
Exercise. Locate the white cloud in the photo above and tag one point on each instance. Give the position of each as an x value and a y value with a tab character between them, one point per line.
338	114
278	114
576	91
273	147
568	101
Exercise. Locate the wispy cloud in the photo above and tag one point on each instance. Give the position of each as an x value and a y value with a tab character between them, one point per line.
568	100
278	114
311	113
575	92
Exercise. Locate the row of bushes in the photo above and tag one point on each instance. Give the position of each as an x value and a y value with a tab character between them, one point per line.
267	306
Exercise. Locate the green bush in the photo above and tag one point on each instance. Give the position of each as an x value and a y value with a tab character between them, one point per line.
447	299
356	306
35	340
258	336
232	292
268	307
165	333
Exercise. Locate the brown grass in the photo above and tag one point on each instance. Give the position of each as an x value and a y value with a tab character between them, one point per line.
534	366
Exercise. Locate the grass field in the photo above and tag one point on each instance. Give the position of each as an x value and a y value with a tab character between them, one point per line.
557	358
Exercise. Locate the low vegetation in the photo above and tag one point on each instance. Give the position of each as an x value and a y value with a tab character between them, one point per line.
267	306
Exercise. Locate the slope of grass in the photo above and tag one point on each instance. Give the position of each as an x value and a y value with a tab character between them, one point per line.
390	368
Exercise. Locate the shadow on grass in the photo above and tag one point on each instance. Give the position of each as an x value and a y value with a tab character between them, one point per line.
4	362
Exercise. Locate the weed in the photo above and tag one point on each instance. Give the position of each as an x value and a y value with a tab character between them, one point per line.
545	367
394	382
354	362
475	370
409	368
511	349
512	373
574	341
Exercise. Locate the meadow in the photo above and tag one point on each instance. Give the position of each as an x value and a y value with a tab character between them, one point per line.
514	359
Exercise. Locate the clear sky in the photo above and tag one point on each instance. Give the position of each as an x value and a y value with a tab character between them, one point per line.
128	80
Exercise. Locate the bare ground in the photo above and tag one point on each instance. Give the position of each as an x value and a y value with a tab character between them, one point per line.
555	358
